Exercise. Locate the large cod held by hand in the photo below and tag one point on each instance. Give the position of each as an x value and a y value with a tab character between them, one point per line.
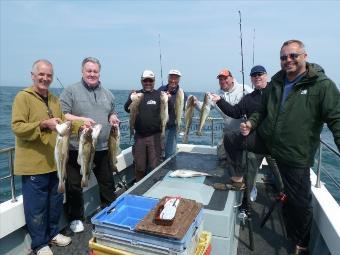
61	152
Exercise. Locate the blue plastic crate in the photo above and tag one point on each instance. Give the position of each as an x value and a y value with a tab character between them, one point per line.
125	212
114	220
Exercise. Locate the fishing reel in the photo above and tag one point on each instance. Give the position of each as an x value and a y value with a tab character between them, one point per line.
242	216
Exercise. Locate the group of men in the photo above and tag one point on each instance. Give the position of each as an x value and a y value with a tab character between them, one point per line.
283	119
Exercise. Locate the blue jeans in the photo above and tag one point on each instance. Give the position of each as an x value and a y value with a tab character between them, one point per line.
42	207
170	141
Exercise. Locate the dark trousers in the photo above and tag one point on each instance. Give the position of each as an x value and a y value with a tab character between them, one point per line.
297	211
42	207
234	144
74	192
146	153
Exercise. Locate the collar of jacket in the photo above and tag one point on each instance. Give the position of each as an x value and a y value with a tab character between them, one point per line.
311	74
31	91
88	87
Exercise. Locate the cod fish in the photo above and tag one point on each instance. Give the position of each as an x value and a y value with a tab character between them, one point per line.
133	108
85	154
182	173
204	112
164	111
113	143
189	113
61	152
179	105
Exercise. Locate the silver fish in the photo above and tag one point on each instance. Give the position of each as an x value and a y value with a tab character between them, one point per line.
204	112
133	108
113	143
164	111
179	105
189	113
61	152
86	150
183	173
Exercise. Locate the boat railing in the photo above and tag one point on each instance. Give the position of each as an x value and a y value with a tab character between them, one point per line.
319	166
10	176
213	121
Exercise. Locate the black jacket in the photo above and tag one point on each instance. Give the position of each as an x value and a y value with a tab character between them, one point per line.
248	104
148	120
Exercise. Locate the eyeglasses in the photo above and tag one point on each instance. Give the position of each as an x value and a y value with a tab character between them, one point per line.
148	80
291	56
257	74
49	112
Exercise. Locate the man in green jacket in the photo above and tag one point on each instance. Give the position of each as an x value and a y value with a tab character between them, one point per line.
300	99
35	114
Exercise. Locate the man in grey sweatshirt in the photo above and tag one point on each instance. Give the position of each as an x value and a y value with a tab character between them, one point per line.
90	102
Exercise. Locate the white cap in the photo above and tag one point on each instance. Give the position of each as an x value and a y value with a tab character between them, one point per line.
147	74
176	72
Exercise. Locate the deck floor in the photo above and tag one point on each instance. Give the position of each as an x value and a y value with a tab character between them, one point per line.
268	240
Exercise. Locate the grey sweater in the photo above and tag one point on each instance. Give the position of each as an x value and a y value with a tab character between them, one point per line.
95	103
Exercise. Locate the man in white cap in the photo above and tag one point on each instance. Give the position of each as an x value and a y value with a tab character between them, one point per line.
147	128
170	132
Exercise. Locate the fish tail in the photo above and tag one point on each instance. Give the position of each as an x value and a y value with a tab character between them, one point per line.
84	181
61	186
185	138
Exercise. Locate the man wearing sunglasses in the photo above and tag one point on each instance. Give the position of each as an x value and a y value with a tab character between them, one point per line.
233	140
88	101
147	146
35	114
299	100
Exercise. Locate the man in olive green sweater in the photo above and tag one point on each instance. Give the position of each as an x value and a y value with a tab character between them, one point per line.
35	114
299	100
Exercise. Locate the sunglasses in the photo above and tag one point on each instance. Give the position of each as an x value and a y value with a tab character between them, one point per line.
291	56
257	74
148	80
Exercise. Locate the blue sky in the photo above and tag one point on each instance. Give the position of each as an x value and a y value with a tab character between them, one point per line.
197	37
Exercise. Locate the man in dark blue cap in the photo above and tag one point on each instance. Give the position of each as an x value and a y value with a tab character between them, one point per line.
233	140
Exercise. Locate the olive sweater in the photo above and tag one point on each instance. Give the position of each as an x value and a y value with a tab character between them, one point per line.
34	148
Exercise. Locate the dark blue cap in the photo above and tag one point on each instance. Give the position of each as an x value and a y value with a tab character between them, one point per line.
257	69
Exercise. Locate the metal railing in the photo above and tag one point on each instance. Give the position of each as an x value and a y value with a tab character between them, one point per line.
10	151
10	176
318	172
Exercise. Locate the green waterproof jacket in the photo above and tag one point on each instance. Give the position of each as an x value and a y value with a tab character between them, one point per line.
292	132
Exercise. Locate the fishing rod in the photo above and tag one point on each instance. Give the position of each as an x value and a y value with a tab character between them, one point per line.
246	209
254	47
282	197
252	86
60	82
242	70
160	57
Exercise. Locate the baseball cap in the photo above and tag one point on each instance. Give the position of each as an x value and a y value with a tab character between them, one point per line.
257	69
224	72
148	74
176	72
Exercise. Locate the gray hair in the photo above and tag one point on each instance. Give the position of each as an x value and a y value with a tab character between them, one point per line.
35	64
301	44
92	60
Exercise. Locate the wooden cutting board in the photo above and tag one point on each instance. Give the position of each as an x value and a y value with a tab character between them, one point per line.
186	213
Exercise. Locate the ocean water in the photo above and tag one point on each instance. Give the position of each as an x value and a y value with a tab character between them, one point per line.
330	162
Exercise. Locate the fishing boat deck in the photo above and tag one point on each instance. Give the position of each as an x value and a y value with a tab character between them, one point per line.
268	240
